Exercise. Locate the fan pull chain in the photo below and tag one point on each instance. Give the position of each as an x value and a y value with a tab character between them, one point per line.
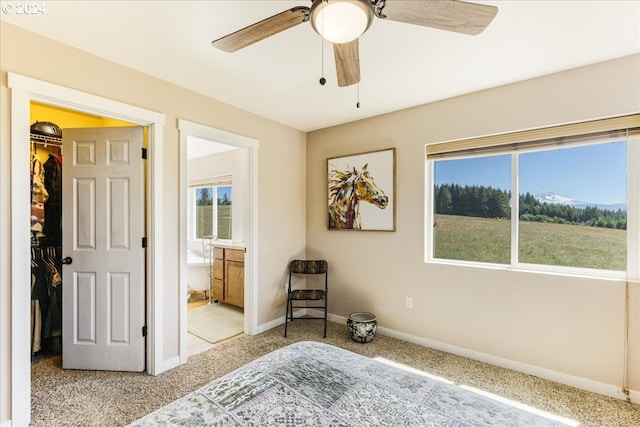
322	79
358	102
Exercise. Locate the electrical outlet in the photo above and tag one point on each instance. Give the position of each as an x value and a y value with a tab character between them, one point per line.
408	302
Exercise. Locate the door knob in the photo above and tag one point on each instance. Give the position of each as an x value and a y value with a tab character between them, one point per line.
67	260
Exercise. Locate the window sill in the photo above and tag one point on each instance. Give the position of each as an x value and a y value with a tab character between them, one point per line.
616	276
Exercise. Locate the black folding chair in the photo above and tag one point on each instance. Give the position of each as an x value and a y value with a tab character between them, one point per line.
303	267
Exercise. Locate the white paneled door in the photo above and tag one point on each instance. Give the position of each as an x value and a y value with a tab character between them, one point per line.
103	228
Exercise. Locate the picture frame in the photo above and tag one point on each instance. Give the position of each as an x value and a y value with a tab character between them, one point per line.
361	191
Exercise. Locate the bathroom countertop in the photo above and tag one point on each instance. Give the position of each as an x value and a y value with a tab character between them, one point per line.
229	245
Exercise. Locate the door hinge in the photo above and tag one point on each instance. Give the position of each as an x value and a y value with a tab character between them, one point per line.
144	153
144	331
144	242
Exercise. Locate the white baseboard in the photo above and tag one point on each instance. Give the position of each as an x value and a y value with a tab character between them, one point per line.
174	362
269	325
570	380
280	321
634	396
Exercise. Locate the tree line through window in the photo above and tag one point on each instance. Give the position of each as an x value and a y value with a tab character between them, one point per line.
489	202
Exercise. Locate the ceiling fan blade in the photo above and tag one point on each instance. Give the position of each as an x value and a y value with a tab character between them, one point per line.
347	58
263	29
449	15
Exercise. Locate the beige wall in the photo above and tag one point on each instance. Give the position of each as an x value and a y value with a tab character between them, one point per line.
282	222
569	325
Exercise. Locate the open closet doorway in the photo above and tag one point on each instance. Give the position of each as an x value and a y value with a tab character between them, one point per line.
80	164
217	198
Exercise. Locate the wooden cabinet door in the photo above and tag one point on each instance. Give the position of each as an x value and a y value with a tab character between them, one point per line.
234	255
217	289
217	280
234	283
218	269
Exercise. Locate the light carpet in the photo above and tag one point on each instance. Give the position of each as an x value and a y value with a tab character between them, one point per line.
215	322
63	398
316	384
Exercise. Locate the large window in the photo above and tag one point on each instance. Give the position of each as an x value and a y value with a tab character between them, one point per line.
210	211
573	206
472	213
570	213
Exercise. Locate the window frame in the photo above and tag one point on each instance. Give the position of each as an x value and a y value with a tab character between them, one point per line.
498	145
213	183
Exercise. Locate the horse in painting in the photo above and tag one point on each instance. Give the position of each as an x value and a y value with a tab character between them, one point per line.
346	190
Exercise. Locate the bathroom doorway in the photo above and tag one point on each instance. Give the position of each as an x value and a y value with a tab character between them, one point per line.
217	198
215	187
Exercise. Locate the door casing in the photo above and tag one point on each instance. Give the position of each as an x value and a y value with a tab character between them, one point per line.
249	218
24	90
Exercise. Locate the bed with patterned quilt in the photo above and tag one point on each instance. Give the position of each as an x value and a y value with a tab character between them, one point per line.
316	384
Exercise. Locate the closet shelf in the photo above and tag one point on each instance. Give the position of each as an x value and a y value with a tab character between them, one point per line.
45	139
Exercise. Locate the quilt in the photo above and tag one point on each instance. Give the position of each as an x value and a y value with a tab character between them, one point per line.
316	384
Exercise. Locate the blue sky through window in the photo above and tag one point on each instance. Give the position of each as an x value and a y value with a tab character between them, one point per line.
222	190
591	173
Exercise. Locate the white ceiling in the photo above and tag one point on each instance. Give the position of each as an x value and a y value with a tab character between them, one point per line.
402	65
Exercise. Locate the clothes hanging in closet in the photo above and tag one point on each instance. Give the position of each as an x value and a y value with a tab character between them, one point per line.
46	241
39	195
53	205
46	300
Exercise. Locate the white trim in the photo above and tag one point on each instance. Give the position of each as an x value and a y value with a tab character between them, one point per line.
251	244
633	215
280	320
514	205
249	218
264	327
20	392
6	423
634	396
428	210
570	380
217	135
23	91
212	181
155	253
183	232
168	364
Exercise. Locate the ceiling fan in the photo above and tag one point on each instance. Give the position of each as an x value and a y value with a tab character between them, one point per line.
343	21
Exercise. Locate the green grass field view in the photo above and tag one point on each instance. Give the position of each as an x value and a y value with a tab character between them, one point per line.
488	240
204	225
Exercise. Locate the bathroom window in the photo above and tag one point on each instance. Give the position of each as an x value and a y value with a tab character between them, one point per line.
211	205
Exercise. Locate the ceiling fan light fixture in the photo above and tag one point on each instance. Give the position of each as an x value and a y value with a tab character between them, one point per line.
341	21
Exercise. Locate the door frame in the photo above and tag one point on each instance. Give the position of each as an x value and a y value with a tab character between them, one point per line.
249	218
24	90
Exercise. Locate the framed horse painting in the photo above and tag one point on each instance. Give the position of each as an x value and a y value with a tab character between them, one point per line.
361	191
